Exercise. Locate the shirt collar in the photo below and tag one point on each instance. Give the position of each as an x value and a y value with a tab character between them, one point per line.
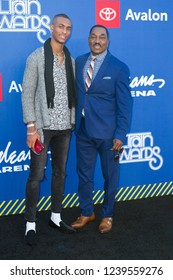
99	56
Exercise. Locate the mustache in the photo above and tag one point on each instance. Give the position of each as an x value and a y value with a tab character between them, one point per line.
97	44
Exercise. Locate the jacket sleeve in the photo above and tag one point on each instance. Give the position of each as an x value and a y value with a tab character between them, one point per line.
29	86
124	104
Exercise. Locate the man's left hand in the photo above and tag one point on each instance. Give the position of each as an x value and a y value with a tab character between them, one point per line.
117	144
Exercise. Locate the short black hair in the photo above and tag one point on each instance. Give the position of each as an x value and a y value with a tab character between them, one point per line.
101	26
60	15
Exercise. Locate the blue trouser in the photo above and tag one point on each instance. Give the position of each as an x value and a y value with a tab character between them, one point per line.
59	144
87	150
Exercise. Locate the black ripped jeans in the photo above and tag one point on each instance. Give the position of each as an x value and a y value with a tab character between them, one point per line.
58	140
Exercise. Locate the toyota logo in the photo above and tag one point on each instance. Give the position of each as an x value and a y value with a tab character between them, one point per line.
107	14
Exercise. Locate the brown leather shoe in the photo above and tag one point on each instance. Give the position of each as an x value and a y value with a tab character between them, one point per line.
105	225
82	221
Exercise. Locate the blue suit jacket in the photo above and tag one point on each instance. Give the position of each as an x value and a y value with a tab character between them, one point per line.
108	102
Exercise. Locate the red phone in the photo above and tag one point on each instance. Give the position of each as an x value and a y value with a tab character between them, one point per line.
38	147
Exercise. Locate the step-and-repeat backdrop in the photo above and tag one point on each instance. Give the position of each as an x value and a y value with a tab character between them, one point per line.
141	36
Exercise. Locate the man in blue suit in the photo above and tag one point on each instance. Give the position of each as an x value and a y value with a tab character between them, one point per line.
103	120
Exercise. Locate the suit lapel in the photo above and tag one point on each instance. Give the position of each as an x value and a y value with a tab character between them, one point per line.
101	71
80	70
99	75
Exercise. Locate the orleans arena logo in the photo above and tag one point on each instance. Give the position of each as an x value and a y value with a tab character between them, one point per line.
146	86
23	16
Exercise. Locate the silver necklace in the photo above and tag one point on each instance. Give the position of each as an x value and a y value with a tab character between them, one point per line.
59	54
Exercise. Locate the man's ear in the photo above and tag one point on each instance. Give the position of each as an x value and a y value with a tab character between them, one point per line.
51	27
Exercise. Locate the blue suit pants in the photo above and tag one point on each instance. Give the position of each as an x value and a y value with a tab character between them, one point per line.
87	150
